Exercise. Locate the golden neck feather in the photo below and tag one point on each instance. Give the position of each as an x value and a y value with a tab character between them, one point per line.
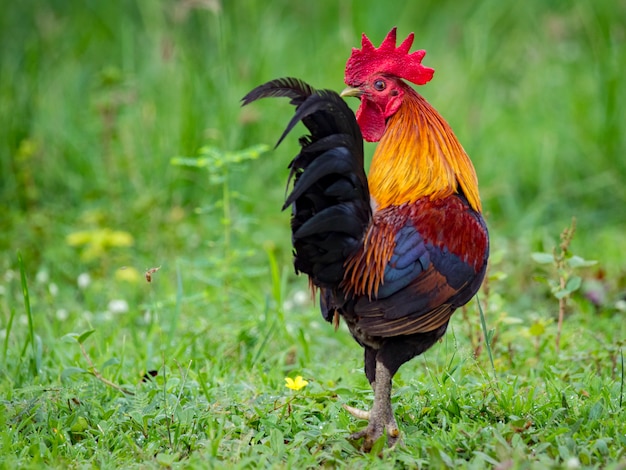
419	156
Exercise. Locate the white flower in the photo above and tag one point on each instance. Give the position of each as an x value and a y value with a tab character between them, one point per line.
298	299
572	463
42	276
83	280
62	314
118	306
301	297
53	289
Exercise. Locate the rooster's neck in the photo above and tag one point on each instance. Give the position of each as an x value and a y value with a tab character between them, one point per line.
419	156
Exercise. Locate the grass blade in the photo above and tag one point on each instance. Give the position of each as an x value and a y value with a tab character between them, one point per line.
177	306
621	388
7	335
487	336
29	315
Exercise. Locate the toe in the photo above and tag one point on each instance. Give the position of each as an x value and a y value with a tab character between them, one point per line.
357	413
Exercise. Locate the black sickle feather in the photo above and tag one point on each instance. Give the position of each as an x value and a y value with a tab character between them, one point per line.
330	198
289	87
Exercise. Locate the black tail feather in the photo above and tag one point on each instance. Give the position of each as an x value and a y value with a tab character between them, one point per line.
330	197
289	87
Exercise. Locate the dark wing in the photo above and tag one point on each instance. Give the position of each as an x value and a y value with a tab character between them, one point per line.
436	266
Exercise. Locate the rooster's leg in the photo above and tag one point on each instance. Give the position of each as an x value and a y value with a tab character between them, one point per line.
381	415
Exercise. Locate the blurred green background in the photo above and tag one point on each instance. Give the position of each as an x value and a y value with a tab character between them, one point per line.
97	97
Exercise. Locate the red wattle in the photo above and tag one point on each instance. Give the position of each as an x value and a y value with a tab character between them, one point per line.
371	121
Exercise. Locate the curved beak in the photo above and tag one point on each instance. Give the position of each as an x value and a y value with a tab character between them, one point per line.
351	91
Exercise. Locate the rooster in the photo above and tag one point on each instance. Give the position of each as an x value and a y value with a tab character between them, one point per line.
396	252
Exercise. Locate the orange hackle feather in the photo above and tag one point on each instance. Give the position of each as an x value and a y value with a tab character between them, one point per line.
365	270
419	156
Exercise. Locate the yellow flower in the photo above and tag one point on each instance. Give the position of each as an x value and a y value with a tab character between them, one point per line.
297	384
127	274
97	242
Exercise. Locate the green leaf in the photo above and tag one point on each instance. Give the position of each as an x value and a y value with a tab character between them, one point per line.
114	361
573	283
83	336
560	293
542	258
537	329
190	162
166	460
251	153
487	458
601	446
596	410
70	338
578	262
80	425
379	445
446	459
214	158
69	371
277	441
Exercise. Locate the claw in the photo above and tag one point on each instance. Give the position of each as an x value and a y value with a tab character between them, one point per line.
373	432
393	435
358	435
357	413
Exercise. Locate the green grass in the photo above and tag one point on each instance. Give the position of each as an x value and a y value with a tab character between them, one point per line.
101	103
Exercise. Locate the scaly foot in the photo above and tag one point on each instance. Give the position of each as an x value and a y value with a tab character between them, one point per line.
381	417
374	431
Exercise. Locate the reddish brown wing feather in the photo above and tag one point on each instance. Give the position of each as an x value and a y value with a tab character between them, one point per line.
454	240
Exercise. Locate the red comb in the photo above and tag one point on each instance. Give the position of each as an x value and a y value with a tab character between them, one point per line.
387	59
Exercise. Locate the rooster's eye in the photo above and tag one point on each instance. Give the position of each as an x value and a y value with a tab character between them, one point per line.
379	85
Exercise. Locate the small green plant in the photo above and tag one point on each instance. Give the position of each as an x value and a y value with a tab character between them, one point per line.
564	267
219	164
80	339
